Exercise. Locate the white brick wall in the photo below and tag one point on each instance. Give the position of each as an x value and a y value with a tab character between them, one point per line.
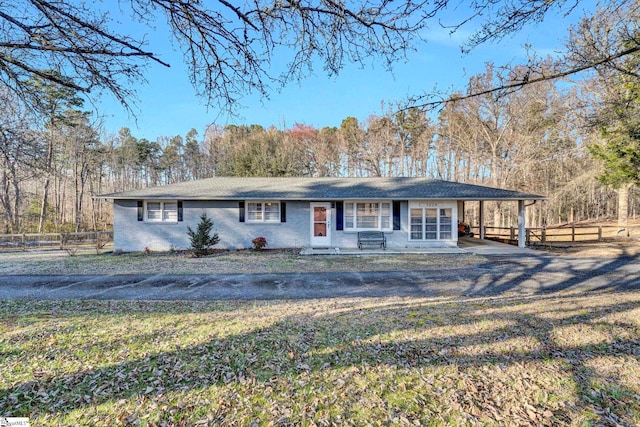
131	235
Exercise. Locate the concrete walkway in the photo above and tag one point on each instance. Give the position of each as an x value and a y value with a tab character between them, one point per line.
465	245
490	247
377	251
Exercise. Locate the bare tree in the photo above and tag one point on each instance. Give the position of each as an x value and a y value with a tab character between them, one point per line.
378	146
414	137
80	162
507	141
327	151
19	147
228	47
53	100
194	158
510	17
351	136
612	104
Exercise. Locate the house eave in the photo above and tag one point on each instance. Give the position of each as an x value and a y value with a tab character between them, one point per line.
313	199
322	189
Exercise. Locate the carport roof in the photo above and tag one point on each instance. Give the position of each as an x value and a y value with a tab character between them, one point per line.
234	188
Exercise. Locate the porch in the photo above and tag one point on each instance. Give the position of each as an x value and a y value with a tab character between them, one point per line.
466	245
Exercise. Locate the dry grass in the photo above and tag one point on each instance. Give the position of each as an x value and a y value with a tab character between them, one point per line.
612	248
562	359
276	261
272	261
556	359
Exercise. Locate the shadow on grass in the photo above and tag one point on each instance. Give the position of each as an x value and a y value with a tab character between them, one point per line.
472	337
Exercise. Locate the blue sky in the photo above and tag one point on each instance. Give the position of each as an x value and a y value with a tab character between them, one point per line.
167	104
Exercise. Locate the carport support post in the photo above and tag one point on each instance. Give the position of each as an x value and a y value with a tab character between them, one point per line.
481	214
461	211
522	241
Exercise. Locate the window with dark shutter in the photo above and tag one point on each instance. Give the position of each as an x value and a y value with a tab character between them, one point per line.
140	210
396	215
283	212
241	211
180	210
368	215
340	215
263	211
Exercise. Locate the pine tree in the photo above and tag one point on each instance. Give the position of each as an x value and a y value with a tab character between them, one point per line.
202	239
619	122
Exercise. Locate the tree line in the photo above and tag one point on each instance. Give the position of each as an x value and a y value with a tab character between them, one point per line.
526	127
535	140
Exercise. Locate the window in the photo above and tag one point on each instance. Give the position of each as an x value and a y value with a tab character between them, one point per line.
263	212
367	216
429	223
417	224
162	212
445	224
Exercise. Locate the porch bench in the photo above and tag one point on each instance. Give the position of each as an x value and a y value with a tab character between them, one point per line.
372	238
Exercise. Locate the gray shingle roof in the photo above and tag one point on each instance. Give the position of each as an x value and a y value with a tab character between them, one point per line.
232	188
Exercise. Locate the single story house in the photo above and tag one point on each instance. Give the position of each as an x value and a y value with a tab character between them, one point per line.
301	212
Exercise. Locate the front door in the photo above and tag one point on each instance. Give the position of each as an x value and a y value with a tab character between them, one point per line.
320	224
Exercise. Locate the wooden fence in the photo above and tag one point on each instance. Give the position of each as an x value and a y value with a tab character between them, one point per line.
561	234
96	239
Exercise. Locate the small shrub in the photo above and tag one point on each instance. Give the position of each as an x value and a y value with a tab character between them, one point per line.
259	243
202	239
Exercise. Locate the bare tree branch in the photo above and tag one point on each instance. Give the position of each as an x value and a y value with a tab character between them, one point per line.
232	49
507	88
587	51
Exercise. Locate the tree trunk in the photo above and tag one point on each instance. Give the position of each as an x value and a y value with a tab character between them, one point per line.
623	209
47	182
6	204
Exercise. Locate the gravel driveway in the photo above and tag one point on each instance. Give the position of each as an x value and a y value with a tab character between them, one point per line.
497	275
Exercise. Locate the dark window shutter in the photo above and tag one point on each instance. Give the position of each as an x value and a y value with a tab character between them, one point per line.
140	210
396	215
180	210
339	215
241	211
283	212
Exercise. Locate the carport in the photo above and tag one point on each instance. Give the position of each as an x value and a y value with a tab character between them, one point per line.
522	205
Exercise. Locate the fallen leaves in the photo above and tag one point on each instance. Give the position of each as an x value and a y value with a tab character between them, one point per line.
227	262
389	361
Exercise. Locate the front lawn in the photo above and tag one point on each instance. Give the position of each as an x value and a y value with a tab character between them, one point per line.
223	262
558	359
